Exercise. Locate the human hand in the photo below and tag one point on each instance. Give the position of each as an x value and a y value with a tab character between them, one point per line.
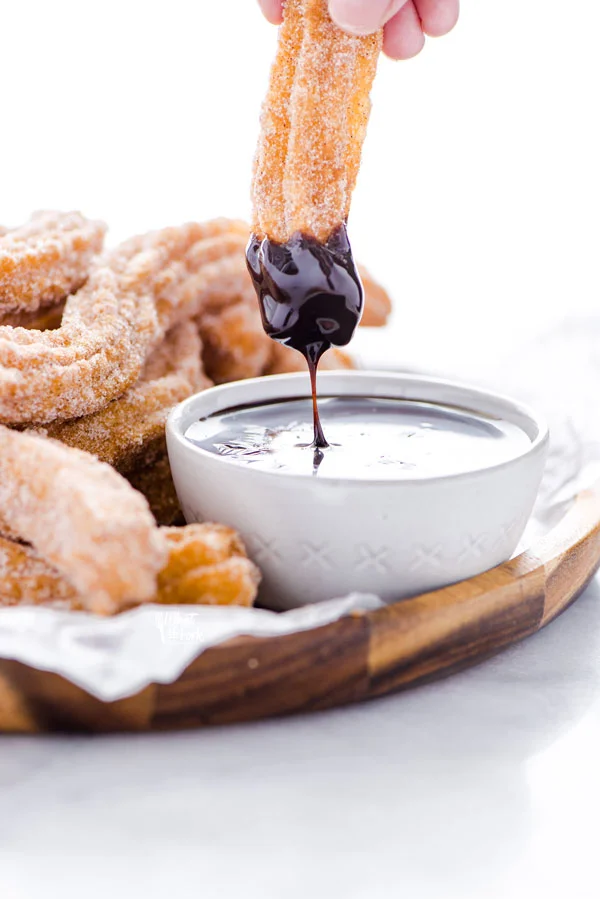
406	21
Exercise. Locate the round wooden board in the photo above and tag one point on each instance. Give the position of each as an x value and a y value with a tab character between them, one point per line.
360	657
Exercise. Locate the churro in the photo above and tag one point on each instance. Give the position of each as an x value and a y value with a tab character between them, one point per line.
82	517
313	125
378	303
206	564
27	579
155	482
46	259
235	344
133	296
129	431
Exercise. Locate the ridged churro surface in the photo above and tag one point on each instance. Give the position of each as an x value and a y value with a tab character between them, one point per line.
46	259
313	125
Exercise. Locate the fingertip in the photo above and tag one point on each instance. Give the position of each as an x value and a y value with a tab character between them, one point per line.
272	11
363	16
403	36
438	17
401	54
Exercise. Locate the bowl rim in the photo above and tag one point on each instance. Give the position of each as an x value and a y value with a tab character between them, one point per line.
181	417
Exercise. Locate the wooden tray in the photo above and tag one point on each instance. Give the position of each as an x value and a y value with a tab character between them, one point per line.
359	657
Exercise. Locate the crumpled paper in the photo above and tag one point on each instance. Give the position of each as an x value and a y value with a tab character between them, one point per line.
113	658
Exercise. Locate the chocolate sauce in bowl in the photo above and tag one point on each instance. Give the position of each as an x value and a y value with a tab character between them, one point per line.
371	438
310	297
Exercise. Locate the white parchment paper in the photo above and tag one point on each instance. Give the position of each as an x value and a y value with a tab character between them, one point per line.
113	658
116	657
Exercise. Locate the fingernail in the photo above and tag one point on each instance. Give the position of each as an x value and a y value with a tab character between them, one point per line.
361	16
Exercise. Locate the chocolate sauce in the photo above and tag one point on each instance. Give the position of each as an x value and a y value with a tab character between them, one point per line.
371	438
310	297
319	440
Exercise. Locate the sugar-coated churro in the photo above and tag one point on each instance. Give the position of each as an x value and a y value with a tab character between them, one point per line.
206	564
129	431
133	296
82	517
27	579
313	126
46	259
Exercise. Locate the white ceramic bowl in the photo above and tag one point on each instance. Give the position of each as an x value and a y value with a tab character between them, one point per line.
317	538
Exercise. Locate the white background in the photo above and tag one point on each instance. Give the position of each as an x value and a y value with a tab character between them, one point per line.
478	199
478	205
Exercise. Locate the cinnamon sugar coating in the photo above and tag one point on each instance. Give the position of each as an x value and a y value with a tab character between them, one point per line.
27	579
129	431
80	516
133	296
46	259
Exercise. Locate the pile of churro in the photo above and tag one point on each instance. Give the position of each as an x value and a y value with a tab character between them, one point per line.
96	347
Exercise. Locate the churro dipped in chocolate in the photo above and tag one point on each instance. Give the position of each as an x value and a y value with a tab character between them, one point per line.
313	126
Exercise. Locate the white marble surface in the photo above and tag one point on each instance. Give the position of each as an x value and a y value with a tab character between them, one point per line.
482	786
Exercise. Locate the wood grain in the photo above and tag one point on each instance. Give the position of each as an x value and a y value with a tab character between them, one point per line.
359	657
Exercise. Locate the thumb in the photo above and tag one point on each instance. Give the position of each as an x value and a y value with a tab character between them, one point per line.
363	16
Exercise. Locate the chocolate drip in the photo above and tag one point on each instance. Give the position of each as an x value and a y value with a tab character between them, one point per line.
319	441
310	297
